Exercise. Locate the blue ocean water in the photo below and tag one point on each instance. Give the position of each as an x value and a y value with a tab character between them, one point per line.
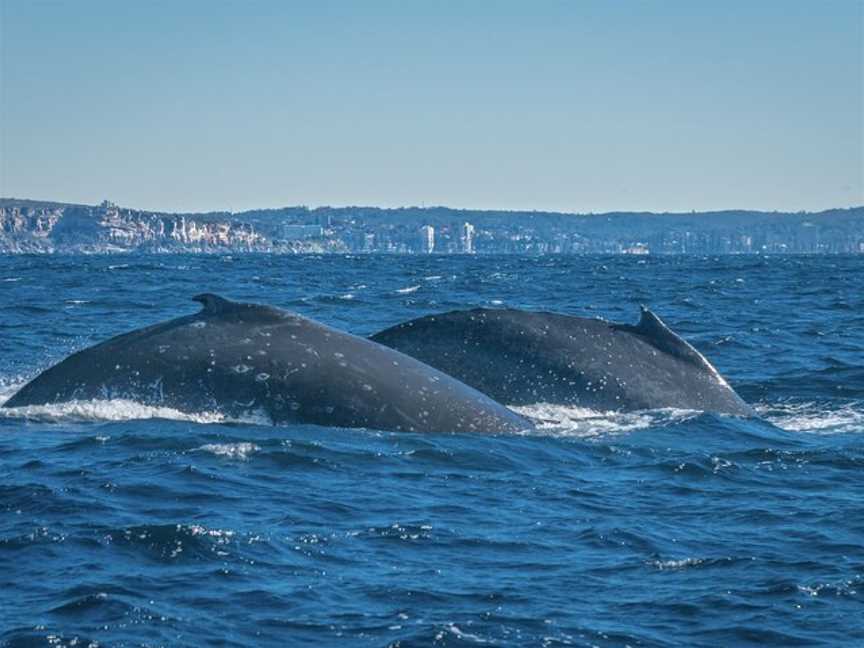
126	525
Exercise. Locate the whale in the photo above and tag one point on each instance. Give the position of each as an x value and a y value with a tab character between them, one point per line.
521	357
235	358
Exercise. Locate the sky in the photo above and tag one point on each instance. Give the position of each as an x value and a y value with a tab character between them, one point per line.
585	106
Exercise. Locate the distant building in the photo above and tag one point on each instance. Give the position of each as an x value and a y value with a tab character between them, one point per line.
467	238
427	239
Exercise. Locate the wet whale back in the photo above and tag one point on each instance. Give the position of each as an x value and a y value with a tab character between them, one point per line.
522	357
234	358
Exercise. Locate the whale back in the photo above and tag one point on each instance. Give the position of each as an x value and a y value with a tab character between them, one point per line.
523	357
235	358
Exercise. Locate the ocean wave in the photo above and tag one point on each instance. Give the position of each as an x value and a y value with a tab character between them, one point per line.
98	604
30	498
41	535
28	637
688	563
734	531
174	541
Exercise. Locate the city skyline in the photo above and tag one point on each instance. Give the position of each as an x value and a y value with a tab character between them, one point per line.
587	107
34	227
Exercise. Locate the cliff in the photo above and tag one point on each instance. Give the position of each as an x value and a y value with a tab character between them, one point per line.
40	227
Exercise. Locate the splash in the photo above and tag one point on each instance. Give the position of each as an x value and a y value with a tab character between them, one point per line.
568	420
105	410
814	417
8	387
117	409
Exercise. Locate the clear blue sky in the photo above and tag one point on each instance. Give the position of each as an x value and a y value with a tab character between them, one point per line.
572	106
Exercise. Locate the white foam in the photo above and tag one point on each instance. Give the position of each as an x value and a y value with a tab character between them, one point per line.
461	634
105	410
115	409
676	564
223	535
231	450
818	418
408	290
568	420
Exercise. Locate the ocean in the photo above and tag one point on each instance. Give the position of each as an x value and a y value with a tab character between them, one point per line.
128	525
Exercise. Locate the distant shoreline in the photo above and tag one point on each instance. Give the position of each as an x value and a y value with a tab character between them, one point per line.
48	227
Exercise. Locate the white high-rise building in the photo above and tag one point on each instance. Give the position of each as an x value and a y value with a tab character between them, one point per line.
427	239
467	238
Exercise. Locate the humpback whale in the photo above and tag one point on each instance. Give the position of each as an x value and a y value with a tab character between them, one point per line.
234	358
520	357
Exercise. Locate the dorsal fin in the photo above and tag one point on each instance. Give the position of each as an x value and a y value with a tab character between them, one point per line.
214	304
660	336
